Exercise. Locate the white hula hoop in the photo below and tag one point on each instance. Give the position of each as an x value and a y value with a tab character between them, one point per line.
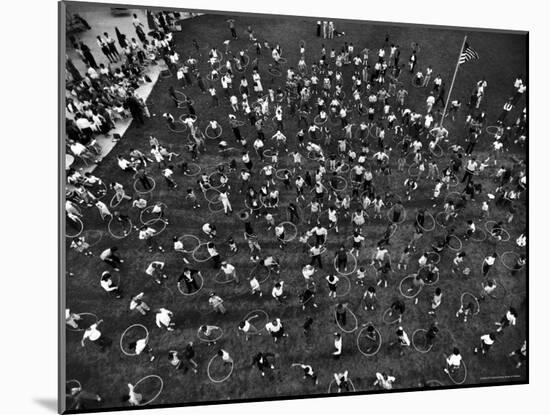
386	321
280	176
76	381
121	343
213	137
347	290
205	340
492	129
481	238
292	237
210	179
415	346
198	170
253	271
465	374
87	236
178	130
502	230
434	281
510	267
377	332
125	233
354	265
215	199
189	251
82	314
76	235
144	192
434	261
354	318
342	179
406	295
157	394
194	292
117	202
464	294
153	220
211	209
194	253
253	312
220	380
402	219
332	383
431	228
459	243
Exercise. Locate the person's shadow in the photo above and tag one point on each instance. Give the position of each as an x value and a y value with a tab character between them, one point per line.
48	403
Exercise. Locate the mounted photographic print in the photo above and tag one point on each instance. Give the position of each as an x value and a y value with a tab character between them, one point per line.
262	207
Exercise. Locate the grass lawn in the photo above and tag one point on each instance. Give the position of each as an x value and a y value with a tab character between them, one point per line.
502	57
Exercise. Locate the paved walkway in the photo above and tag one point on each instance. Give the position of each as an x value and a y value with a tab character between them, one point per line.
101	19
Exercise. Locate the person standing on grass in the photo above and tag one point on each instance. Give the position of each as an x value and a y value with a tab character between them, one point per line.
216	303
109	256
163	319
454	361
488	263
436	300
137	303
509	319
262	363
96	337
109	286
486	342
332	281
276	329
230	272
384	381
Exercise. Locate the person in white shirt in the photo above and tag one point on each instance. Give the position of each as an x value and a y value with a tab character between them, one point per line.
509	319
226	357
488	262
342	381
137	303
402	340
453	361
103	210
216	303
384	380
96	337
230	272
255	286
486	341
277	291
156	270
133	398
163	319
109	286
276	329
337	346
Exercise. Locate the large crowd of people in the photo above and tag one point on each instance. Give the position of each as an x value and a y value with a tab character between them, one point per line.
315	153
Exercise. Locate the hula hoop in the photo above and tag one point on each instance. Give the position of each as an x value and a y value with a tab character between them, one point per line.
377	332
268	153
415	346
157	394
183	117
220	380
332	383
76	381
448	372
442	222
492	129
181	94
213	137
211	209
354	265
178	130
117	202
346	292
490	232
210	180
439	152
434	261
453	181
194	292
434	281
354	317
205	340
433	383
282	60
464	294
90	232
281	171
262	325
100	192
302	43
194	253
245	65
164	224
510	267
253	270
389	214
182	237
238	123
431	228
220	278
215	199
76	235
496	296
448	196
82	314
415	46
197	172
151	220
459	243
401	287
318	122
275	72
342	179
291	238
413	83
125	232
391	321
481	238
143	192
126	331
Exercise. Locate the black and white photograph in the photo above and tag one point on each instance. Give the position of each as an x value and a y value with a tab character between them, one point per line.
258	207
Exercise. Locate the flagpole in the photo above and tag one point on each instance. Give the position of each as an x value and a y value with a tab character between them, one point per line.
452	83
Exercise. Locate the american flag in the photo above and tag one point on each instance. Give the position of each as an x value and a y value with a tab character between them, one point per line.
468	54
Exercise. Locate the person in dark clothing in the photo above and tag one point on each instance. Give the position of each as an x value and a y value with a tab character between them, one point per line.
341	259
262	363
133	104
188	277
87	53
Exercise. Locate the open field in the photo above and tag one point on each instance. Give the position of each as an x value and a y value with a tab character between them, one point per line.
502	57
